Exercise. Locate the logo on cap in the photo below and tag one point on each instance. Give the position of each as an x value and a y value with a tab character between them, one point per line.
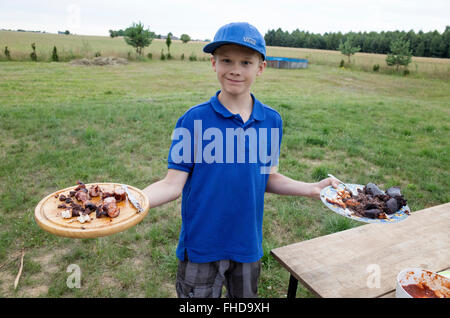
249	40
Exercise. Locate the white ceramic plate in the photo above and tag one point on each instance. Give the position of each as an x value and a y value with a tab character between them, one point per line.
331	193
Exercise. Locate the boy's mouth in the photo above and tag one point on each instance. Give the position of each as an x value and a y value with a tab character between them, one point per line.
234	81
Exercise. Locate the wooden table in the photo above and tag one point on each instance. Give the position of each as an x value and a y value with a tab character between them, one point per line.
364	261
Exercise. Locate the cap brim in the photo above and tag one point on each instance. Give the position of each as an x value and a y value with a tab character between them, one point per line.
211	47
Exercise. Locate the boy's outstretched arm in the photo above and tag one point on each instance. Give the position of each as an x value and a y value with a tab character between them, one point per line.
280	184
167	189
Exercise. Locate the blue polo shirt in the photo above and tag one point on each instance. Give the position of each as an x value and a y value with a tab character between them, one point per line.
228	163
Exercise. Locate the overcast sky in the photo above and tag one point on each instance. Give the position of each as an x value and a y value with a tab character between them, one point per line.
201	19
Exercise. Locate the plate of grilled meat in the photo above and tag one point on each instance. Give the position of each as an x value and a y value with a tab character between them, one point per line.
367	203
91	210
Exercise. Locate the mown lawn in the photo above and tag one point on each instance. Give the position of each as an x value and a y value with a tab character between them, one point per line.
61	123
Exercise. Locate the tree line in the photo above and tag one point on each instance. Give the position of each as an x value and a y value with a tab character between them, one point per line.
427	44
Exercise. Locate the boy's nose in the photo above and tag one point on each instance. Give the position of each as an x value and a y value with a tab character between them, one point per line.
235	71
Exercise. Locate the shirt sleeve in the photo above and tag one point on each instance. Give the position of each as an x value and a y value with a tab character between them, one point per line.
181	153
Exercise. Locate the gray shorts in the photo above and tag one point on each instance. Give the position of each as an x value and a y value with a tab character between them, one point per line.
205	280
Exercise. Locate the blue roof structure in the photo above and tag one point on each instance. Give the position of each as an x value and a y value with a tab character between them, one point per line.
285	59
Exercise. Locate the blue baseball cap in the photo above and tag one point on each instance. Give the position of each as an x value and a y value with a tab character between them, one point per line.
240	33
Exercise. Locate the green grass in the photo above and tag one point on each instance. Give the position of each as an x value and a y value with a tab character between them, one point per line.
61	123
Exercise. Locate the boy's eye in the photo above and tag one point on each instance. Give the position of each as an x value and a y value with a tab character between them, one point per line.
228	61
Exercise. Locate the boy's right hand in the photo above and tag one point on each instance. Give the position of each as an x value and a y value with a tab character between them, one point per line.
330	181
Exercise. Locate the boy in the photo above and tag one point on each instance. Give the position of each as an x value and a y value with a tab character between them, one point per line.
222	160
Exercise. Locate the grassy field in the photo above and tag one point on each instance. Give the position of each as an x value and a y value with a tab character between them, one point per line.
61	123
78	46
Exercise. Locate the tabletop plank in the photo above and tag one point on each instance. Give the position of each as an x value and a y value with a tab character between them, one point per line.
364	261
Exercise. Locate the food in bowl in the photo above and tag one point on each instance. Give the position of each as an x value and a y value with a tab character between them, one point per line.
421	290
421	283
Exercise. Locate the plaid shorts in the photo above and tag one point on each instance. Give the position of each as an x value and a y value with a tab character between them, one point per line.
205	280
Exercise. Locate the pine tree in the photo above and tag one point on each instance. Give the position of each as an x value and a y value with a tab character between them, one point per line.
348	49
7	53
168	43
400	54
33	54
55	57
138	37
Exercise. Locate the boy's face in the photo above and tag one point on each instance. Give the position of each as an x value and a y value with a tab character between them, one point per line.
237	67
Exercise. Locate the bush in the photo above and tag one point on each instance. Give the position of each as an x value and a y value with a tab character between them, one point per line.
7	54
140	58
33	54
376	67
406	72
182	56
342	63
97	54
150	56
193	57
168	43
55	57
163	57
70	55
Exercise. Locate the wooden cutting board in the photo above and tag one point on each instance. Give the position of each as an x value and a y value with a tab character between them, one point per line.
48	215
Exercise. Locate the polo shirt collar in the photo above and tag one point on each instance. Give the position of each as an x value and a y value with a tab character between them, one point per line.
257	112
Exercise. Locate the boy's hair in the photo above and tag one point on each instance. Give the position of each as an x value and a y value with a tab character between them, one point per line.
260	56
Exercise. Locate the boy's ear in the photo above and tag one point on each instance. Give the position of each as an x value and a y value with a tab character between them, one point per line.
261	67
213	62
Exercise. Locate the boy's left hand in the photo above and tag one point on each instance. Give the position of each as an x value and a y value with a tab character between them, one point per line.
324	183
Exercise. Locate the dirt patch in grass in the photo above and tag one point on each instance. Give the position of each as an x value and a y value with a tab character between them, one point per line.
101	61
6	283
